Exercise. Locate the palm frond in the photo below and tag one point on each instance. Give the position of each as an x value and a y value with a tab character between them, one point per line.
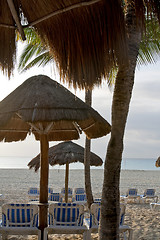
32	36
28	53
112	77
41	60
34	49
149	50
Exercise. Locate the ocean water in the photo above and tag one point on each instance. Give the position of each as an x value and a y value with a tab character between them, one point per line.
139	164
127	164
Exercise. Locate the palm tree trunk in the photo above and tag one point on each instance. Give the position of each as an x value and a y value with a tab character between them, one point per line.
109	222
88	100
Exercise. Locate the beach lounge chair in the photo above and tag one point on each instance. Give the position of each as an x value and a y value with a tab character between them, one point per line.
97	200
93	222
66	218
55	197
132	195
70	192
155	205
50	190
19	219
149	194
79	190
79	196
33	194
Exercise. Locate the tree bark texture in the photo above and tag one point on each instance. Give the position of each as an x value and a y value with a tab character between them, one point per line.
88	188
109	219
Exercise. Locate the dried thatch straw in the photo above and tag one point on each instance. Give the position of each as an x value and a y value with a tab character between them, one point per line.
7	39
86	38
86	41
41	104
65	152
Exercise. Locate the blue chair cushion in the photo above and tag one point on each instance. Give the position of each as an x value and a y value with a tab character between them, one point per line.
54	197
80	197
66	214
20	216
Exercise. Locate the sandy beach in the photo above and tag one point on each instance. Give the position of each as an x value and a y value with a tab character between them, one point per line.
144	221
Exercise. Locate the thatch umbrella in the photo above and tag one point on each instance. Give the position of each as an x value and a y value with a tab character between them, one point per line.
66	153
157	164
79	34
51	112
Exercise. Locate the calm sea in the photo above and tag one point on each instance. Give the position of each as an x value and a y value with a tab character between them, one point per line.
127	163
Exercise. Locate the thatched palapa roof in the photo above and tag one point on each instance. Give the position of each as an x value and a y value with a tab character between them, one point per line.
51	112
86	38
41	104
65	152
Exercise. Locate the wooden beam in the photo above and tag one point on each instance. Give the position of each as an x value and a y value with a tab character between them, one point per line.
40	126
37	130
63	130
66	182
48	128
44	174
77	127
14	130
7	26
74	6
16	18
40	129
35	127
88	127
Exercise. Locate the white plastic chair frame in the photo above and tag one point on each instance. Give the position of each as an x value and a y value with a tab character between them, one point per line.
149	194
123	229
66	227
17	226
130	196
33	194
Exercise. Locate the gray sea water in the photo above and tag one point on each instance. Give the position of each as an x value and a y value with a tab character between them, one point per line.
14	183
127	163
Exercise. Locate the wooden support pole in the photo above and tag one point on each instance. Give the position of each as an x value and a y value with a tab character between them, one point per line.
66	182
44	174
63	10
16	18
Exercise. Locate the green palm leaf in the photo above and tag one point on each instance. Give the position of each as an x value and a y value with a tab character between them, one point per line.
41	60
149	50
33	51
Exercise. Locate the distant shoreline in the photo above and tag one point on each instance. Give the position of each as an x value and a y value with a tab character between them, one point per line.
127	164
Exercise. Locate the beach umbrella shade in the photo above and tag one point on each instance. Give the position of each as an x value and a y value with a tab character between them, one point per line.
157	164
61	26
45	108
66	153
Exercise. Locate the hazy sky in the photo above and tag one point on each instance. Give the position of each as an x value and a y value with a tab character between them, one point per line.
142	135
